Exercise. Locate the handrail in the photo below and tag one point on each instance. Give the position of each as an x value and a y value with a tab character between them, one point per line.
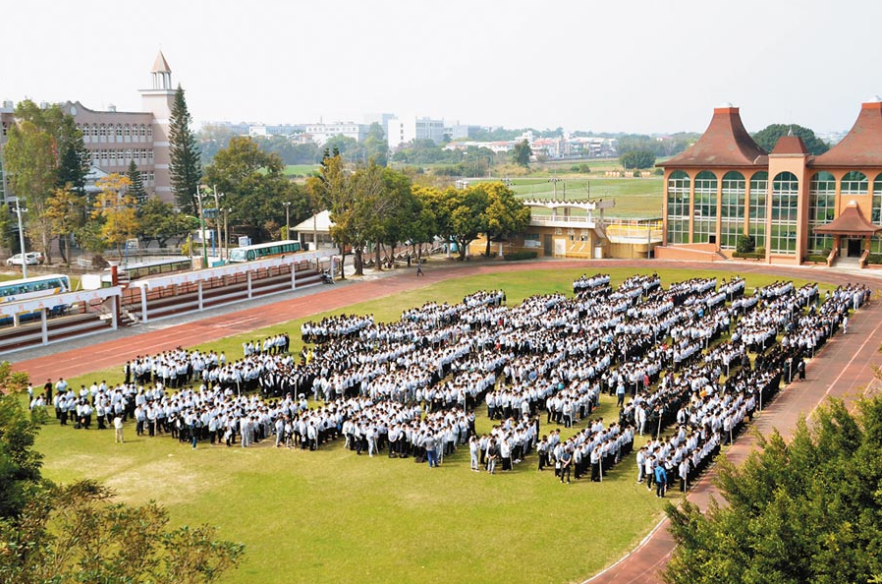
831	257
864	258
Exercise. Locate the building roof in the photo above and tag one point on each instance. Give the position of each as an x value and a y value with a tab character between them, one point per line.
790	144
862	146
322	224
161	65
724	143
850	222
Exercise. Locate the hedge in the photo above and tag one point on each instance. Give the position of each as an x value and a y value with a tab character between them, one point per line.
520	255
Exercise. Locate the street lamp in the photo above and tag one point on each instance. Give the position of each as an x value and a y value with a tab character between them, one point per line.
217	218
287	219
199	195
24	257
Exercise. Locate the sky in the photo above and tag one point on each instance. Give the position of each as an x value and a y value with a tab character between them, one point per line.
643	66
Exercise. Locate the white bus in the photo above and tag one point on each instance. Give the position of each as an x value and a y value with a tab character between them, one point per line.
263	250
27	288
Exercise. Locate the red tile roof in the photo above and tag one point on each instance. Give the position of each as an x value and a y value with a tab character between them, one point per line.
850	222
790	145
724	143
862	146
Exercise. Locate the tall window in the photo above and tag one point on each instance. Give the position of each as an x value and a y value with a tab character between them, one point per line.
678	207
785	200
704	223
759	197
822	210
732	209
119	132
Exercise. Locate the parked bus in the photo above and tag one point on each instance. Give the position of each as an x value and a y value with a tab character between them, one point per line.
27	288
263	250
157	267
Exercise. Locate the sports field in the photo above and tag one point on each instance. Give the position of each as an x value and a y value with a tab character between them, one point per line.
331	516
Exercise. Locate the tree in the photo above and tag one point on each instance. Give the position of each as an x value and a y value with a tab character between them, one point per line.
160	222
185	166
74	162
136	190
459	214
332	189
254	186
376	146
7	226
636	159
505	214
805	511
385	208
64	215
768	137
522	153
19	463
117	210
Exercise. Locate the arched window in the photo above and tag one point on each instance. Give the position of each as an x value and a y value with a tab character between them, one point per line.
854	183
127	131
732	209
87	132
759	198
704	219
119	132
822	210
142	130
102	131
678	207
785	201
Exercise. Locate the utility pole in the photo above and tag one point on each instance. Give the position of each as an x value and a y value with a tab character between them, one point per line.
199	195
217	219
226	235
24	258
287	219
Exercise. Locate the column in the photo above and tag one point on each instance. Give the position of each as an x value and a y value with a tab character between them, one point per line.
115	304
248	278
44	325
144	304
199	294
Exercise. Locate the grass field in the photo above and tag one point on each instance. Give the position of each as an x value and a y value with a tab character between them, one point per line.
330	516
300	169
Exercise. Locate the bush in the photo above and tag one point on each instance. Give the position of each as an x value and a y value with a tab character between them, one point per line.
745	244
816	257
99	263
758	254
520	255
874	258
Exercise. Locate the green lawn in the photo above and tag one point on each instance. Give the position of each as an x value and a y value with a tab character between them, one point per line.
331	516
301	169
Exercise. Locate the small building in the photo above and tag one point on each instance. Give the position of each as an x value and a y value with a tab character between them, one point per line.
317	227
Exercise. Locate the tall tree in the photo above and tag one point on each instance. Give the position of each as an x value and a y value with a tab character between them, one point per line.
254	186
332	189
636	159
73	165
808	510
505	214
768	137
375	144
522	153
460	215
161	222
185	165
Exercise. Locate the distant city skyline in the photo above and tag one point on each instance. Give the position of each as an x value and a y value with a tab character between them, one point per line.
646	66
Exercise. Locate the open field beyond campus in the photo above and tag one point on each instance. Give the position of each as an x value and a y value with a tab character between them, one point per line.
331	516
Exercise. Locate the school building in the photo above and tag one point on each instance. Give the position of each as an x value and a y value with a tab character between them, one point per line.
792	203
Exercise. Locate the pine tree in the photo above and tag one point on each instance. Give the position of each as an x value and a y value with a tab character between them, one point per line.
136	190
185	167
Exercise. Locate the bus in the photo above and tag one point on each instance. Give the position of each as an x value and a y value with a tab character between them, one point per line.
37	287
263	250
156	267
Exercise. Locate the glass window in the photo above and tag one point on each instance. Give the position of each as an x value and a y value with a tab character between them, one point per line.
822	210
732	209
678	207
877	201
759	197
785	201
854	183
704	218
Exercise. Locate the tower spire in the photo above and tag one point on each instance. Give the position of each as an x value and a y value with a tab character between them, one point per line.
161	73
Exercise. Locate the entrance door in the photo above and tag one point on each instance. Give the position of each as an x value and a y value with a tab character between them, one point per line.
854	248
548	249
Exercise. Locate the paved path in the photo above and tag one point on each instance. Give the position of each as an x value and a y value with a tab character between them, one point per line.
843	368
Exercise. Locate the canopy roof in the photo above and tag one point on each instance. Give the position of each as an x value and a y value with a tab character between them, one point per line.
850	222
862	146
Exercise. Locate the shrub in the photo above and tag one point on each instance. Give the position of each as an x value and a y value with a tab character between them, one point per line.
99	263
874	258
816	257
520	255
745	244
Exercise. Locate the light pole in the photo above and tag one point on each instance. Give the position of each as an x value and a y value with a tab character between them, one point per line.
24	257
226	235
217	219
287	219
199	195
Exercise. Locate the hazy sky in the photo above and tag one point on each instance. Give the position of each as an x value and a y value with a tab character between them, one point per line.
636	66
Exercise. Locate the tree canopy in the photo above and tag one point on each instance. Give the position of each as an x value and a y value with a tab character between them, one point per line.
807	510
636	159
768	137
521	153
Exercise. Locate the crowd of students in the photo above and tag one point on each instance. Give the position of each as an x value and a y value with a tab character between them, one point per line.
409	388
